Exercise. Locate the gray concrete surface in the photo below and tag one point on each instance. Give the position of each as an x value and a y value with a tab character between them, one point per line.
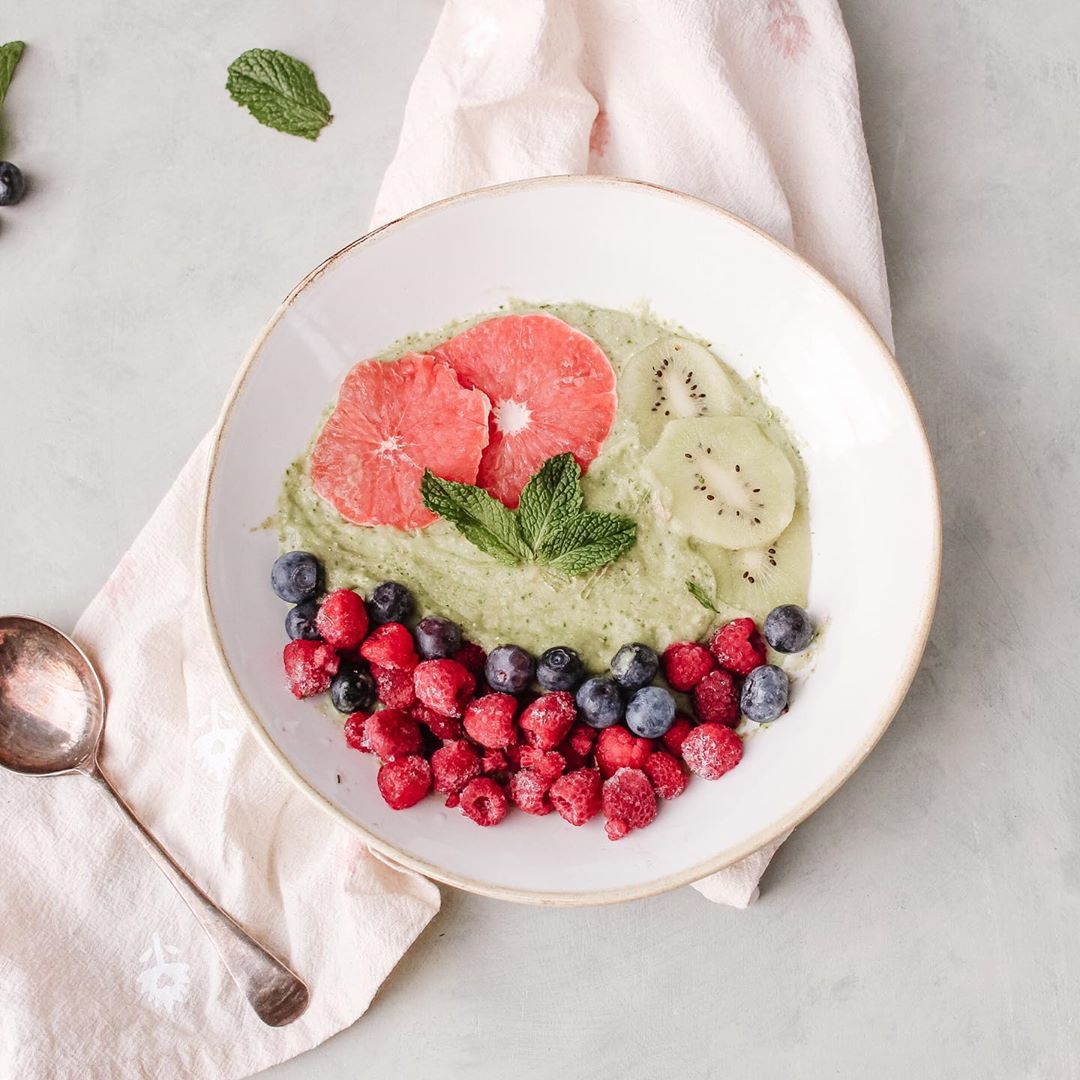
924	923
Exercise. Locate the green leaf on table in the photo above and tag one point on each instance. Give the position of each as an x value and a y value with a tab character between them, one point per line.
482	520
10	55
587	541
551	497
701	596
279	91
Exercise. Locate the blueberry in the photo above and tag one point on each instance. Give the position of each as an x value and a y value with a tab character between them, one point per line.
437	638
788	629
600	702
764	694
559	669
650	712
352	690
297	576
509	669
634	666
389	602
12	184
300	621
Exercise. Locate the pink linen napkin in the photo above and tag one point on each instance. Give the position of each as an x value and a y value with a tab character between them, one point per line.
103	972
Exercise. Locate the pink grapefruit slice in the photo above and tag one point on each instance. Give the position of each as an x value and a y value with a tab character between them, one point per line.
393	419
552	391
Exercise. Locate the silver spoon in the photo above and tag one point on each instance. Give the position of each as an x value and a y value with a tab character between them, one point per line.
52	714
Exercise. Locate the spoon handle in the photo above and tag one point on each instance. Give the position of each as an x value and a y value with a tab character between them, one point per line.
277	994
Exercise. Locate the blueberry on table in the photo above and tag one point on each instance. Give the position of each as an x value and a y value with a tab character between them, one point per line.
297	576
764	694
300	621
600	702
437	638
651	712
788	629
352	690
12	184
634	666
389	602
559	669
509	669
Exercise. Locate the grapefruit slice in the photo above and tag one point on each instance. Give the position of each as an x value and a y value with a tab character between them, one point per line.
393	419
552	391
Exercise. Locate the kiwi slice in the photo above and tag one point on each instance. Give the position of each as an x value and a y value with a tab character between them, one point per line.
755	580
672	379
726	481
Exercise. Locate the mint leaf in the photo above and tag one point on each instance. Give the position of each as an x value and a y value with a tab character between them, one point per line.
701	596
481	519
10	55
551	497
279	91
587	541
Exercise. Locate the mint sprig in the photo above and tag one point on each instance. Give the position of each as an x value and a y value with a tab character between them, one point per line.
701	596
550	527
279	91
10	55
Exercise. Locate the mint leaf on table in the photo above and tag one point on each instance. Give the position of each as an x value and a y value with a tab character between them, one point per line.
481	519
588	540
10	55
279	91
701	596
548	499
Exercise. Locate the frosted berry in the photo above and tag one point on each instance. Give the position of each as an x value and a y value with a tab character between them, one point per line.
404	781
489	720
354	732
711	750
394	688
665	774
634	666
309	667
628	801
443	685
618	749
528	792
680	728
548	720
764	694
483	801
453	766
576	796
391	733
716	698
686	663
390	646
342	619
738	646
509	669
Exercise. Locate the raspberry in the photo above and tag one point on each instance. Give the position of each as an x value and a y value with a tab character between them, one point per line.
629	802
528	790
618	749
454	766
548	719
738	646
489	720
686	663
453	800
395	688
548	764
404	782
472	657
716	699
576	795
680	728
443	685
390	646
483	801
309	667
354	732
578	745
342	619
494	761
668	779
513	755
712	750
390	733
442	727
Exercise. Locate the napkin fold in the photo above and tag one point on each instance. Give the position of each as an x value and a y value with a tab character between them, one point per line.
751	104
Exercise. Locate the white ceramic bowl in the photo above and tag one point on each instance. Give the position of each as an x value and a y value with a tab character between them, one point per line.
873	506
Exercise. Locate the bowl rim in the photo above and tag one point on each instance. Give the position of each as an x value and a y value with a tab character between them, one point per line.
399	859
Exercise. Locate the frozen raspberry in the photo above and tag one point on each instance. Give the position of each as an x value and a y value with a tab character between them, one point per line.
489	720
738	646
668	779
629	802
576	795
453	800
513	755
390	646
404	781
528	791
494	763
342	619
548	764
578	745
673	737
442	727
716	699
454	766
309	667
395	688
443	685
686	663
548	719
711	750
471	656
390	733
354	732
483	801
618	749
